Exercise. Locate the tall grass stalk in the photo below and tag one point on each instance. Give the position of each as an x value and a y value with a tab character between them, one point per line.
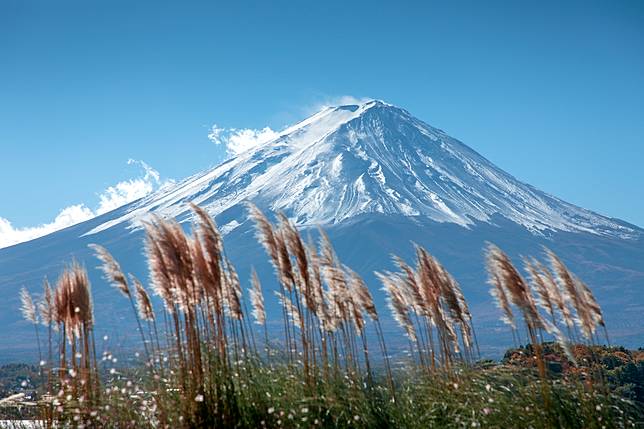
206	370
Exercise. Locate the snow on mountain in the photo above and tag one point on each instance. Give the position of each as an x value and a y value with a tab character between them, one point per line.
369	158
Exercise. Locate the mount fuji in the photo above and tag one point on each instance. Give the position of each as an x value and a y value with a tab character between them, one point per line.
376	179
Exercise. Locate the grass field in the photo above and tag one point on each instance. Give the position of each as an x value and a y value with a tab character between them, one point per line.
207	360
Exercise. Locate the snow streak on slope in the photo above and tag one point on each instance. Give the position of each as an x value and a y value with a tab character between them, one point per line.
370	158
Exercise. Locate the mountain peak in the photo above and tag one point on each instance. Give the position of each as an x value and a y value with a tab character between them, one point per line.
356	108
369	158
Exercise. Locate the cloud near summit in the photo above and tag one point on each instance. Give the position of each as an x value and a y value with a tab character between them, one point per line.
238	140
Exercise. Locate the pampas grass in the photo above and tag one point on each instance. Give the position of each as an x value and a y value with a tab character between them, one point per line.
73	314
28	308
204	370
257	300
559	292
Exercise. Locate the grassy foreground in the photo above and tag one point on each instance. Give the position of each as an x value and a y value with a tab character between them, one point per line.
204	363
487	394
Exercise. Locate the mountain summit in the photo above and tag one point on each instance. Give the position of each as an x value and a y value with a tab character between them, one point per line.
366	158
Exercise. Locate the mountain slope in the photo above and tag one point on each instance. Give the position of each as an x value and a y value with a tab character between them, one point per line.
376	178
373	158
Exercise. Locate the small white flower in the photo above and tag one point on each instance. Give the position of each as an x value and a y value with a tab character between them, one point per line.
199	398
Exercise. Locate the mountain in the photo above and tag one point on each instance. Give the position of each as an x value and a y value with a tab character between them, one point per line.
372	158
376	178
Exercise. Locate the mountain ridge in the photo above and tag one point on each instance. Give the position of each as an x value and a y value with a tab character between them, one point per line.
379	158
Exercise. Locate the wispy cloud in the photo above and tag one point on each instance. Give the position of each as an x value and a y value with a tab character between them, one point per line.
333	101
129	190
344	100
111	198
238	140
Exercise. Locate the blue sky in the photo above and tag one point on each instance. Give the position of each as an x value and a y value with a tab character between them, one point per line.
552	93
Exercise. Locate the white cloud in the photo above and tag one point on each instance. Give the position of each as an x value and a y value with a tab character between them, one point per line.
67	217
111	198
240	140
345	100
342	100
129	190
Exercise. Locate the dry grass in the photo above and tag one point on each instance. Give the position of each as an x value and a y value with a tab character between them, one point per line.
202	364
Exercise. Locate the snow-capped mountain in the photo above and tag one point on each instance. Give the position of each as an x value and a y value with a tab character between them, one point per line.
376	178
370	158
